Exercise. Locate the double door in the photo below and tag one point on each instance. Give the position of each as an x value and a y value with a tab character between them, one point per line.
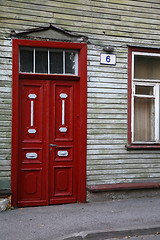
48	142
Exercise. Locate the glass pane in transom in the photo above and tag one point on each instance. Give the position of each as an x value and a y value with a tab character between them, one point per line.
56	62
70	63
26	60
41	61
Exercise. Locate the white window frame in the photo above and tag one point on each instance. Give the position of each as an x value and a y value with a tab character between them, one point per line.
156	95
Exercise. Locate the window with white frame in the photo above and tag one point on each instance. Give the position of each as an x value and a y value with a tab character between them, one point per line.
48	61
145	101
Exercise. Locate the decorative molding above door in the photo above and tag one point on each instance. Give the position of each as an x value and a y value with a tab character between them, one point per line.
50	32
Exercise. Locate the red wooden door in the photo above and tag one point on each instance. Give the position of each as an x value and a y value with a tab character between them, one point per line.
62	145
48	142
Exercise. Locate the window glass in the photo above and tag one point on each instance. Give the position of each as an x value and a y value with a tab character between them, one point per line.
48	61
144	119
70	63
41	61
146	67
144	90
26	60
56	62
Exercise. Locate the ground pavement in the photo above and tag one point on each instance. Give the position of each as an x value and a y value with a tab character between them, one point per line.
88	221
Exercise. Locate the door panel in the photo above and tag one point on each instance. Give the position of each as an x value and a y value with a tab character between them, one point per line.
32	101
63	181
63	112
31	184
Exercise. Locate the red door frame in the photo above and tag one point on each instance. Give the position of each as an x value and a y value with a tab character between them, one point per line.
82	72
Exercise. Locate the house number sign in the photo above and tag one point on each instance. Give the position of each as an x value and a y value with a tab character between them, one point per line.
108	59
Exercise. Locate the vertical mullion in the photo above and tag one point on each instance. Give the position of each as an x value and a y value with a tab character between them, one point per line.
64	63
34	60
157	112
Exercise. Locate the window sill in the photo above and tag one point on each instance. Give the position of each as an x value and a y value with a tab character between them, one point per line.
142	146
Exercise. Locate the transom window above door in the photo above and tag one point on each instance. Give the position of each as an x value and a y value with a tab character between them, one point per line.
48	61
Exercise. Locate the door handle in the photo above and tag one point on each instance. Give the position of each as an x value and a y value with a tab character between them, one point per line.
52	145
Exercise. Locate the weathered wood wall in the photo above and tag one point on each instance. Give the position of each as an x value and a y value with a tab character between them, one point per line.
105	22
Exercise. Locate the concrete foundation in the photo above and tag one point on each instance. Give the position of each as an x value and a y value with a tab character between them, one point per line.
119	195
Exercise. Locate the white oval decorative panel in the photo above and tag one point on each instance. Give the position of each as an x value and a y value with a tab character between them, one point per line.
63	95
62	153
32	96
31	155
63	129
32	130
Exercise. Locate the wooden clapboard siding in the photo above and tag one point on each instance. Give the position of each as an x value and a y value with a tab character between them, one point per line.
5	110
115	22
